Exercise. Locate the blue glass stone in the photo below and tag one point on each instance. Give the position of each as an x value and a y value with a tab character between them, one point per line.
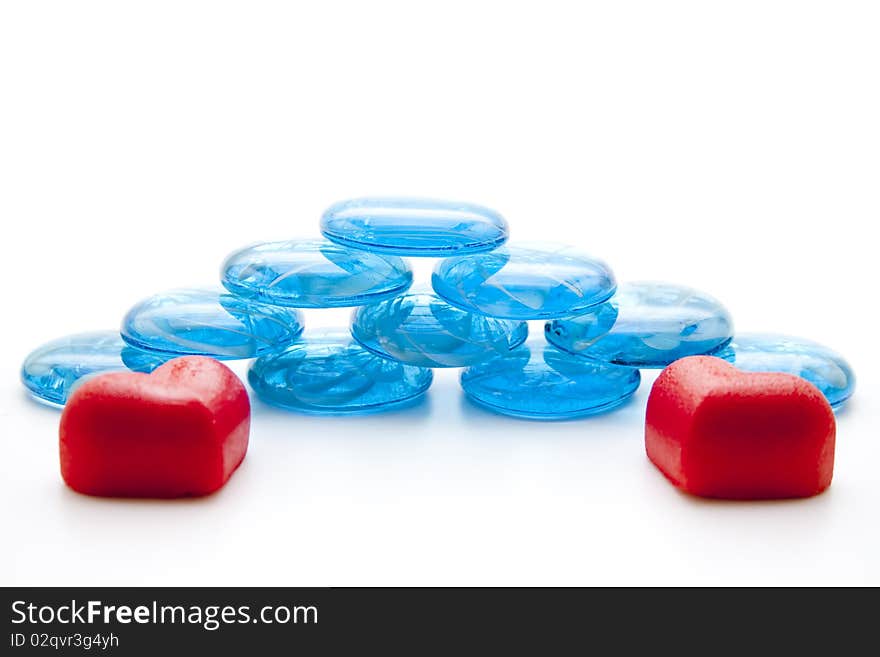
765	352
208	322
538	381
645	325
414	226
422	329
51	371
329	373
517	282
314	274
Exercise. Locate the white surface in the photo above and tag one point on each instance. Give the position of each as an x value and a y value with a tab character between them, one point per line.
730	146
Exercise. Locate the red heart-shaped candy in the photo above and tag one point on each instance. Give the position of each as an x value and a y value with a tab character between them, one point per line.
716	431
179	431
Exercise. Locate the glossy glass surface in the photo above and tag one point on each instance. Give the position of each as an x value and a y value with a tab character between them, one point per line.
646	325
51	371
329	373
538	381
209	322
524	282
422	329
767	352
314	274
414	226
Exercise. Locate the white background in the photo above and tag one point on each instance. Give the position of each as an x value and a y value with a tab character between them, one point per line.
731	146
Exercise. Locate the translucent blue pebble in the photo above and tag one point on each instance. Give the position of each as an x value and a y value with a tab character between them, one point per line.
209	322
540	382
646	325
414	227
824	368
314	274
51	371
517	282
329	373
421	329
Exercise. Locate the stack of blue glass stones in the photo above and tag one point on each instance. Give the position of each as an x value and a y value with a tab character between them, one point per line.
597	335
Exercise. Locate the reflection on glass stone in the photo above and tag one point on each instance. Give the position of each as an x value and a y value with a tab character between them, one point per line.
314	274
524	282
766	352
422	329
208	322
328	372
414	226
51	371
538	381
646	325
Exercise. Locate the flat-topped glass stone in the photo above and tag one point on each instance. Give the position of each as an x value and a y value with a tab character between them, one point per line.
766	352
414	226
51	371
329	373
524	282
314	274
422	329
208	322
645	325
538	381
